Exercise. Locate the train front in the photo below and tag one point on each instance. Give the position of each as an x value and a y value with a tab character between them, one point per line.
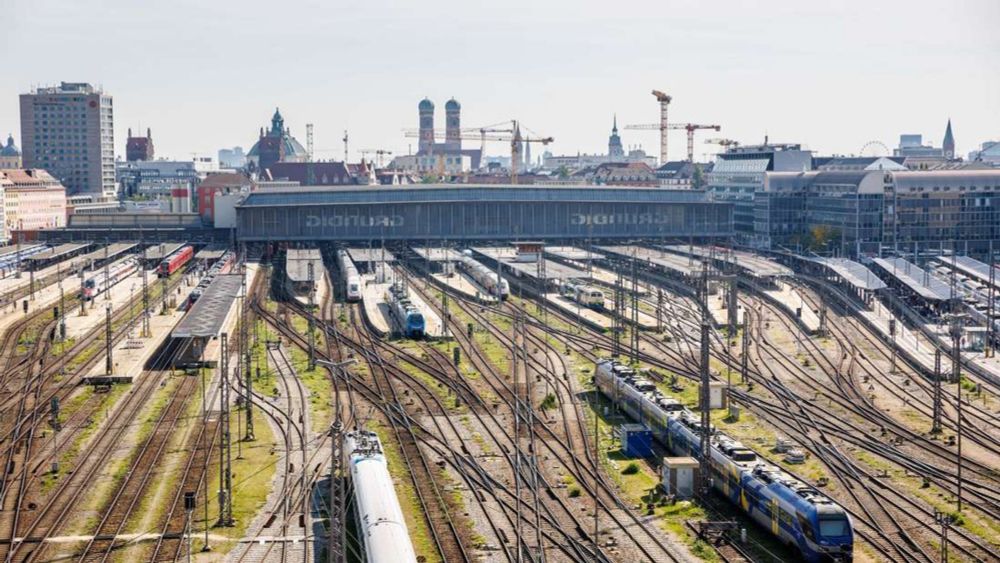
833	534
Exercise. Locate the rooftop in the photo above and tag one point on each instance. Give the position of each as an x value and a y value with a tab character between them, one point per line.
919	281
209	312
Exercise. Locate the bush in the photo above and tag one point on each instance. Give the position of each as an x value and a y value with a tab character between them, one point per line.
549	402
631	469
574	492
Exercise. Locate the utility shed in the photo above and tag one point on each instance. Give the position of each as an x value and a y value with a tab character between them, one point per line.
636	440
679	476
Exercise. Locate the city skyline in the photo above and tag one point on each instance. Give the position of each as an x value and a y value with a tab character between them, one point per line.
832	79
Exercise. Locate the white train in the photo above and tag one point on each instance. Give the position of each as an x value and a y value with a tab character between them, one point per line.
380	519
349	273
99	283
485	277
583	294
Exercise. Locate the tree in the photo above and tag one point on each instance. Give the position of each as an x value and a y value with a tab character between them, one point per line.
698	177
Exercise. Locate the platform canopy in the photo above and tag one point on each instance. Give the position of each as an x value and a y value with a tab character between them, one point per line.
914	277
207	316
853	273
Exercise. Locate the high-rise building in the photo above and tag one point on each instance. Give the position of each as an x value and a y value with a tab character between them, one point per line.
139	148
68	130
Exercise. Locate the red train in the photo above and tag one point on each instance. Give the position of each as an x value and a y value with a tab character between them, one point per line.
175	261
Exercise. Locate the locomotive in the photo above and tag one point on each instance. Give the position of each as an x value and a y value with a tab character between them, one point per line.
798	514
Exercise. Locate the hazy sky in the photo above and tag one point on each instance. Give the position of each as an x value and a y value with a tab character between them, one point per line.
207	74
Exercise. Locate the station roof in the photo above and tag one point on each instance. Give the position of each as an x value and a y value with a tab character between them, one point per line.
58	252
572	253
162	250
370	255
209	312
418	193
113	251
553	270
919	281
756	265
853	273
437	254
12	249
297	262
211	252
686	265
973	268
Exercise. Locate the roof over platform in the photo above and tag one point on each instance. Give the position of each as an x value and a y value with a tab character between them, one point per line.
919	281
162	250
370	255
110	251
297	262
211	252
686	265
572	253
973	268
58	252
853	273
208	314
757	266
437	254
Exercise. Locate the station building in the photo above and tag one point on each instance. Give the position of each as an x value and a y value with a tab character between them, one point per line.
478	212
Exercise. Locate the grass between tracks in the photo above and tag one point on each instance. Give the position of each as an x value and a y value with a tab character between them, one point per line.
253	475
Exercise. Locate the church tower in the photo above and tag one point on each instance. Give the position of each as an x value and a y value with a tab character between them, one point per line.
949	143
426	142
453	124
615	151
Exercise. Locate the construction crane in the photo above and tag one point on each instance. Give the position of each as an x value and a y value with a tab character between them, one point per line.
379	153
725	143
689	127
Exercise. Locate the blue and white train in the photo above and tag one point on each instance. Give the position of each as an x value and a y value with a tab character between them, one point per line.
349	273
489	279
796	513
99	283
404	313
380	519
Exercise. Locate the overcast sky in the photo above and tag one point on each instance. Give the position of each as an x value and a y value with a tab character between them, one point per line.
208	74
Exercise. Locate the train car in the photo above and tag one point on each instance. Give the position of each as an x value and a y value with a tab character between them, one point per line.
586	295
404	313
489	279
380	519
349	274
221	266
175	261
796	513
99	282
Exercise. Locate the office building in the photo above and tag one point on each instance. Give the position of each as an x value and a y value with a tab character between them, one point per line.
738	174
68	130
869	211
232	158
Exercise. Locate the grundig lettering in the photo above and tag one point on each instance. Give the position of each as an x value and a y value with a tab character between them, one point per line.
314	221
620	219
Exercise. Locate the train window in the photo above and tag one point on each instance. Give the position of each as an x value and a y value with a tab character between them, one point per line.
785	517
807	529
832	526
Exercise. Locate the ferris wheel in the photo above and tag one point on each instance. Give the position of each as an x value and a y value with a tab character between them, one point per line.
875	148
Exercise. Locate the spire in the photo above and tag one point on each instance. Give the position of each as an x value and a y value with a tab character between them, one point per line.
614	124
949	142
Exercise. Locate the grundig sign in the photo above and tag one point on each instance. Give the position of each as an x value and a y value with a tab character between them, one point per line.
621	219
316	221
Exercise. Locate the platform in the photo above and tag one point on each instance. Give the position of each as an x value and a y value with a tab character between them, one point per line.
717	308
572	253
752	264
596	319
465	285
297	261
208	314
211	253
788	298
553	270
373	301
